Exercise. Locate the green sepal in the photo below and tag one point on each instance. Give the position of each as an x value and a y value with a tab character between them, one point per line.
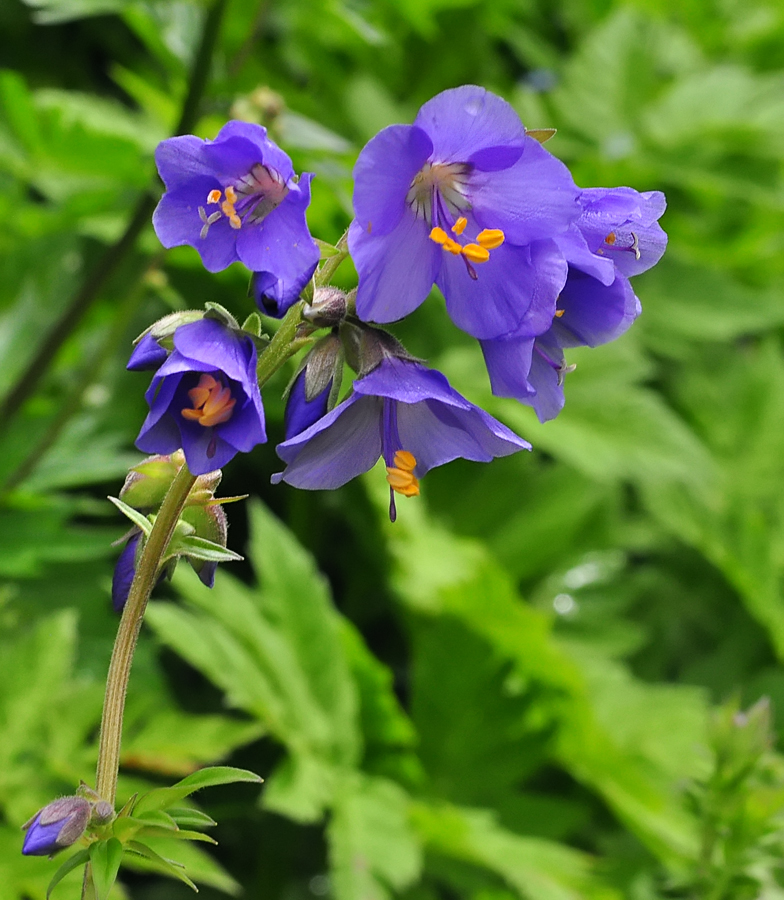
105	859
164	328
253	324
186	816
135	516
169	866
73	862
326	250
216	311
161	798
200	548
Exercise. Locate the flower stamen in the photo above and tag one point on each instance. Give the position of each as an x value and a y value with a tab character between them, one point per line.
212	402
400	476
479	252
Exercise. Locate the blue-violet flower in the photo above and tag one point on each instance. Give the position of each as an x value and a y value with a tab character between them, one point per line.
616	236
237	198
205	398
463	198
403	412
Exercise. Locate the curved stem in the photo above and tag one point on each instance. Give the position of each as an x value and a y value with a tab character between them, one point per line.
128	632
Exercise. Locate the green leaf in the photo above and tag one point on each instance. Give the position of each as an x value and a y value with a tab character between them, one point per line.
208	777
189	817
326	250
169	866
370	823
136	517
201	548
73	862
105	859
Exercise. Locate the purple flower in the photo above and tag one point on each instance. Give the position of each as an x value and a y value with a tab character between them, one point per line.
465	199
205	398
616	236
58	825
237	198
403	412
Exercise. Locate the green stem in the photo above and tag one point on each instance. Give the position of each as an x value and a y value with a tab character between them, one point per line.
282	346
128	632
113	256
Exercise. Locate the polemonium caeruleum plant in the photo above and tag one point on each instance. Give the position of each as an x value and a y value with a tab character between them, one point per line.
467	199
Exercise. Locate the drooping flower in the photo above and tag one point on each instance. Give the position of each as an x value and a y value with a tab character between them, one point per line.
58	825
237	198
403	412
465	199
205	398
616	236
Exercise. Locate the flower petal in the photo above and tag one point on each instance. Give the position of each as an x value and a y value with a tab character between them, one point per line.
506	287
534	199
341	445
593	313
396	270
210	344
280	247
464	121
508	362
383	175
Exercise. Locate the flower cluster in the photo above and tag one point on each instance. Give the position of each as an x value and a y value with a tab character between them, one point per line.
466	199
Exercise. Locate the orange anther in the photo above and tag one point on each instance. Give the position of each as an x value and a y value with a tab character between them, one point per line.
460	224
231	195
610	239
404	459
490	238
439	236
475	253
559	313
214	196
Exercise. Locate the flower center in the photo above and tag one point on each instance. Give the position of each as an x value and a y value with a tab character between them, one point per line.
488	239
401	476
438	192
212	402
248	201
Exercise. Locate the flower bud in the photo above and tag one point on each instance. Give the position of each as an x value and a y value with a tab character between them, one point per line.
208	522
327	309
58	825
316	386
147	483
366	347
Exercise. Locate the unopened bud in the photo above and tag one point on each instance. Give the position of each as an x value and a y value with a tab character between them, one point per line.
328	307
208	522
367	347
58	825
315	389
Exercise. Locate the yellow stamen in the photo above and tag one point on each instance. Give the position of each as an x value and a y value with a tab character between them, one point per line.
460	224
490	238
227	209
400	477
475	253
405	460
439	236
231	195
214	196
235	221
212	402
559	313
453	247
610	239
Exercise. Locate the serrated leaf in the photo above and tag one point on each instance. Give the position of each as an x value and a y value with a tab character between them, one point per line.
105	859
135	516
73	862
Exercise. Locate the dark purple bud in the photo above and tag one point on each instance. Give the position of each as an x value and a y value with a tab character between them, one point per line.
58	825
124	571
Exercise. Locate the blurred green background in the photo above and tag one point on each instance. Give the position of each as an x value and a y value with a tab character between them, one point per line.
530	685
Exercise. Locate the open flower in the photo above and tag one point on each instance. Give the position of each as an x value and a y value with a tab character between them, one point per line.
616	236
237	198
205	398
403	412
463	198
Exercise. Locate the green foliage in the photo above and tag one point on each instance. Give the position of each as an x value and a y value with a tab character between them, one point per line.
518	689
